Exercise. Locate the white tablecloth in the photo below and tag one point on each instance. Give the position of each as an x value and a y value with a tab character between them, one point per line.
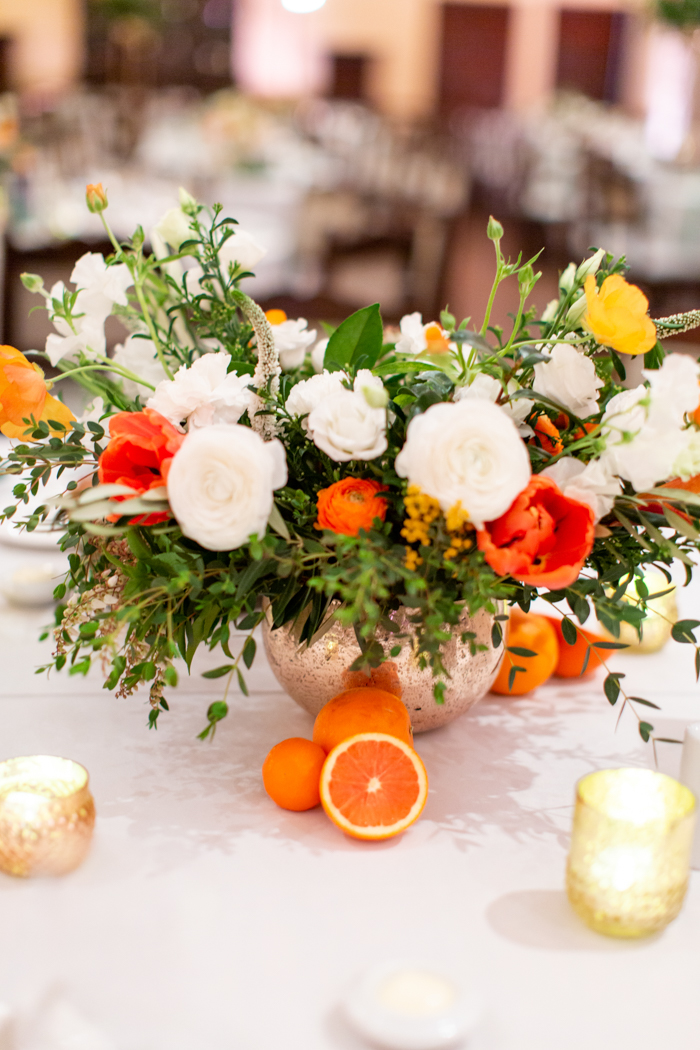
205	918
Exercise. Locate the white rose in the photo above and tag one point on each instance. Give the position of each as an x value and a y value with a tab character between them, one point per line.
291	341
221	483
138	355
468	453
307	395
174	228
346	427
318	354
204	394
488	388
570	379
590	483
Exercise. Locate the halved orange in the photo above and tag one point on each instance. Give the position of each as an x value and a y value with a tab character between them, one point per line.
373	786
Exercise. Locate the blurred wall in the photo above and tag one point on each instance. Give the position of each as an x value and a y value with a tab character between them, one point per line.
403	39
47	37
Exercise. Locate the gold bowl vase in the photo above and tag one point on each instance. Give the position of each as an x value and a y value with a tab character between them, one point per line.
313	675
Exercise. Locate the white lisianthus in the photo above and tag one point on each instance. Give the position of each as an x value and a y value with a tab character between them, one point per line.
101	285
643	427
318	354
308	395
292	340
138	355
590	483
417	338
221	483
468	453
174	228
570	379
203	394
345	427
488	387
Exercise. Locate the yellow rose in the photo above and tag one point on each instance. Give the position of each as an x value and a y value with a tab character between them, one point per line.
617	315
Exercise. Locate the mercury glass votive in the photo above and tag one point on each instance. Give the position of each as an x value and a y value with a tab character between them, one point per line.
47	815
629	861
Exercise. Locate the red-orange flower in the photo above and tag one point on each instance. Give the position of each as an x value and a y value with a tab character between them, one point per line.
547	435
23	393
350	505
543	539
139	453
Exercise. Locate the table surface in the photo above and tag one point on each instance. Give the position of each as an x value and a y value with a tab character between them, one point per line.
205	917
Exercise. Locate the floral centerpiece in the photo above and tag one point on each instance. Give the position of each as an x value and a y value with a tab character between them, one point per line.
230	458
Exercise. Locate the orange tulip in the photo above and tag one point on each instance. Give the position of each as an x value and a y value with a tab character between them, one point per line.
617	315
24	393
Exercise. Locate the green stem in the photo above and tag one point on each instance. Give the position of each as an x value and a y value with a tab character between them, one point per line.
111	367
492	296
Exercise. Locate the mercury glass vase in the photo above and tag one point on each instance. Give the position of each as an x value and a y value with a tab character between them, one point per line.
629	861
313	675
47	815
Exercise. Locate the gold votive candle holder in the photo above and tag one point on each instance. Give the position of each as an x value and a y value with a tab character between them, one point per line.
629	861
47	815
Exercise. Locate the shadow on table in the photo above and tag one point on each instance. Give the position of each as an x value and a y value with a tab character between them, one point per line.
545	919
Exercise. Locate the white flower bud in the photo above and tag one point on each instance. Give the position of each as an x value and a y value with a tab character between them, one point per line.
550	310
576	312
187	201
589	266
566	281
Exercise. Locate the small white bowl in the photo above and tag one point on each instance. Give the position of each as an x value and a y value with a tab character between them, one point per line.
408	1006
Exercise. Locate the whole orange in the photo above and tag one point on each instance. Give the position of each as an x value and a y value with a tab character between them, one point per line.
571	657
365	710
527	631
292	773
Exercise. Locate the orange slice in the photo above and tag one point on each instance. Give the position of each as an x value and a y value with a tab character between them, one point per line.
373	786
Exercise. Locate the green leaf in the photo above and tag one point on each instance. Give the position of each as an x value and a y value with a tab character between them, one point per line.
683	631
611	687
518	651
218	672
511	676
496	635
357	342
645	731
241	683
569	631
680	524
278	524
647	703
439	692
610	645
619	367
249	652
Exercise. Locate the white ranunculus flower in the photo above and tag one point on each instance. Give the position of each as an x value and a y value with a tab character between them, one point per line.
221	483
318	354
307	395
138	355
488	388
292	340
468	453
590	483
570	379
346	427
203	394
174	228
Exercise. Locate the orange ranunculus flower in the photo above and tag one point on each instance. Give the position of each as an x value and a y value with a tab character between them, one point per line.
350	505
139	454
617	315
547	435
543	539
23	393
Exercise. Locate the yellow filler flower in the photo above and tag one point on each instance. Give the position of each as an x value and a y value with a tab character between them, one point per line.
617	315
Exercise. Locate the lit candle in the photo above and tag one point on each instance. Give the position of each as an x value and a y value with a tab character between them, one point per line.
47	815
629	860
690	775
410	1008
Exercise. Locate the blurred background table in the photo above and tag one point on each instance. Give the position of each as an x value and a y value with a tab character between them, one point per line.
205	916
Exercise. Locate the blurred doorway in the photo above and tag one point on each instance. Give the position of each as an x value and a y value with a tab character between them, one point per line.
590	53
473	54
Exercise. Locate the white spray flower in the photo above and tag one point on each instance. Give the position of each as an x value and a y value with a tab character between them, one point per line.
417	338
570	379
292	339
590	483
307	395
488	388
138	355
203	394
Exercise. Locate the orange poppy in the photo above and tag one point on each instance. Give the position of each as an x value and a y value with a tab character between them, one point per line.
23	394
